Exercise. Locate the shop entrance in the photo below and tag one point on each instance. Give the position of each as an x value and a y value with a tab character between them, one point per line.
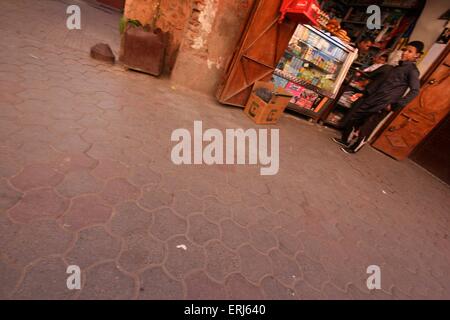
261	47
434	152
422	115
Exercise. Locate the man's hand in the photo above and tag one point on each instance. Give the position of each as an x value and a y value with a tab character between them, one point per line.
389	108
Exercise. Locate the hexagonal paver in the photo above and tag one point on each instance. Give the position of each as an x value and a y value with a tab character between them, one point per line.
108	169
274	290
75	162
130	219
86	210
9	277
238	288
8	165
78	183
201	230
141	252
154	198
47	280
8	196
243	215
214	210
106	282
93	245
141	175
261	239
285	269
313	272
8	230
287	243
34	176
38	203
157	285
254	265
200	287
36	239
118	190
71	143
233	235
185	204
183	257
331	292
305	292
167	224
220	261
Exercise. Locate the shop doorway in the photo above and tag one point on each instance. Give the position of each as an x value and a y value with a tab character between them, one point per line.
261	47
434	152
422	115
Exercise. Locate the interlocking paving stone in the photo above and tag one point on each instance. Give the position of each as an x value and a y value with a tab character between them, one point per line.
285	269
262	239
183	257
141	252
93	245
8	196
86	146
102	282
233	235
214	210
85	211
79	183
254	265
118	190
36	239
200	287
45	280
157	285
201	230
9	277
313	272
220	261
305	292
129	219
167	224
238	288
274	290
154	198
186	204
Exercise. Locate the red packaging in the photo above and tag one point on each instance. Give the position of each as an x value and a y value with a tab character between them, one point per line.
300	11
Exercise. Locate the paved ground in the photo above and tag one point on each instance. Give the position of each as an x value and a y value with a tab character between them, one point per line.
86	179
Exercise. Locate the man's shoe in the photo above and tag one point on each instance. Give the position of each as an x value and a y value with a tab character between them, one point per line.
339	142
348	150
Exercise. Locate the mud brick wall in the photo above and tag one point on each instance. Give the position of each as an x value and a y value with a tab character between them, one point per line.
171	17
203	36
213	31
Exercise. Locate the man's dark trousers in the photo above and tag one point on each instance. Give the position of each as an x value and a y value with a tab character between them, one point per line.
361	118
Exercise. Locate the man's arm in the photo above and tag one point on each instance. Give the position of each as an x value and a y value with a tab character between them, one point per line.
377	78
414	89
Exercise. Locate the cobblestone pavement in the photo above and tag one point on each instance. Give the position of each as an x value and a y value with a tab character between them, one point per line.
86	179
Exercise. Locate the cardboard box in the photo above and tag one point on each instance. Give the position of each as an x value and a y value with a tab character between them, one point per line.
267	113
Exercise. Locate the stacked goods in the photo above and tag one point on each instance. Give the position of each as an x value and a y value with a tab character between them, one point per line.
334	28
323	19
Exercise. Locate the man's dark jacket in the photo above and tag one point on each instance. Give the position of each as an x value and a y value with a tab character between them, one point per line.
392	88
